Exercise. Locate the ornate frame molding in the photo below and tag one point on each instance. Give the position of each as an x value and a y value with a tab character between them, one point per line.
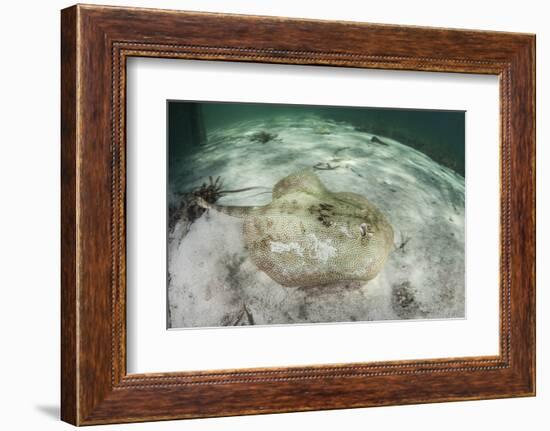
96	41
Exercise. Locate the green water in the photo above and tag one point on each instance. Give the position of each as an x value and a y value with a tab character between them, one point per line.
438	134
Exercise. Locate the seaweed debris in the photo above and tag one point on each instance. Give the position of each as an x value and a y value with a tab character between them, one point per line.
263	137
404	302
377	140
402	244
325	166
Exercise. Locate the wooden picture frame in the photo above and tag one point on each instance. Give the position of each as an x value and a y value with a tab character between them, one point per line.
95	43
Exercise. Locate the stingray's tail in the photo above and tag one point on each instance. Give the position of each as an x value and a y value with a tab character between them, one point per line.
234	211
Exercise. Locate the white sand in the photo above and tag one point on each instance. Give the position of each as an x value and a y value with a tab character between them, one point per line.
213	282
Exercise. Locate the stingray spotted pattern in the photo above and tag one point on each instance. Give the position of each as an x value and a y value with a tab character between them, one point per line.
310	236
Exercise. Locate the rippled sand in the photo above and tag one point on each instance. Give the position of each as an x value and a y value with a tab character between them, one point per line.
213	282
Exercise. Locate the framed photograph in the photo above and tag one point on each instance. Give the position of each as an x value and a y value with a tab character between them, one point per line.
322	214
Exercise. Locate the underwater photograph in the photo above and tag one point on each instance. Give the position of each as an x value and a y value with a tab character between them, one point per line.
297	214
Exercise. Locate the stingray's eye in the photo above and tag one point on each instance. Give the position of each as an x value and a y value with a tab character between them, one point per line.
365	230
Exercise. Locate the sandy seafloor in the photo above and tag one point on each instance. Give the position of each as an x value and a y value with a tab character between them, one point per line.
212	281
